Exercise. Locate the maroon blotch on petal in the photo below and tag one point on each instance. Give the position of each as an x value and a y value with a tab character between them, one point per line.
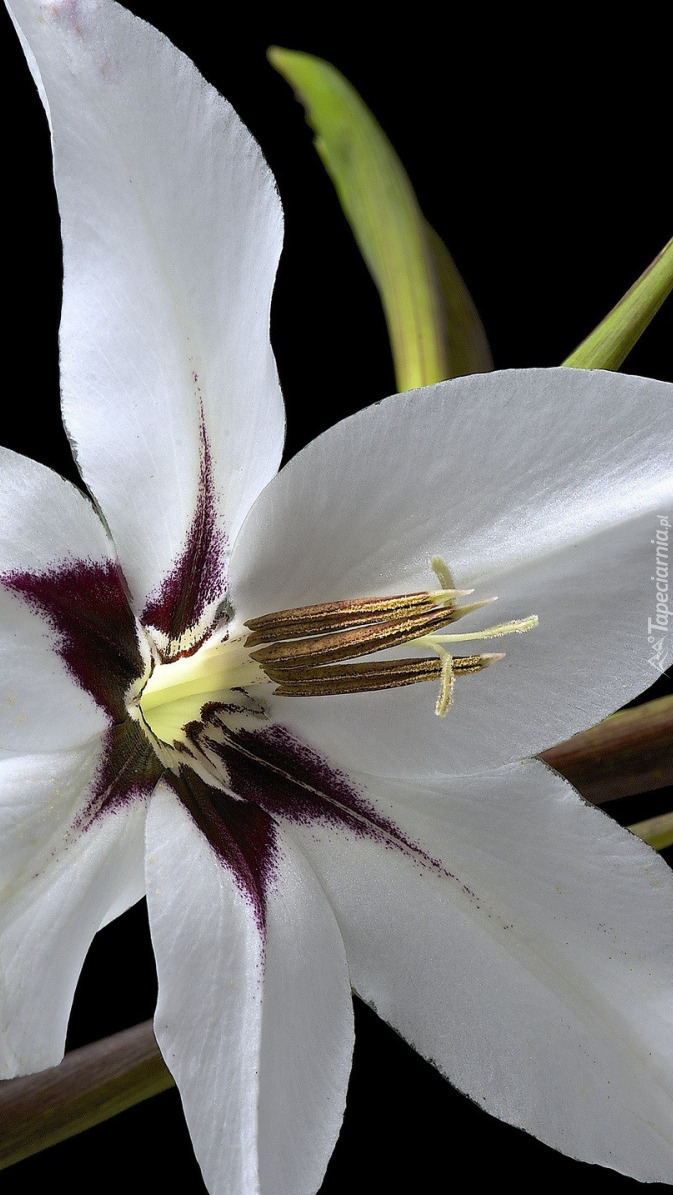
288	778
198	576
128	771
85	603
242	835
290	781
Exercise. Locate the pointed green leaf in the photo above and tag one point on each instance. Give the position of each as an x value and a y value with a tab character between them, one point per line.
433	325
611	342
468	348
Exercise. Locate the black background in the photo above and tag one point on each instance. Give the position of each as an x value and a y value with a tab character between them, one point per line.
539	155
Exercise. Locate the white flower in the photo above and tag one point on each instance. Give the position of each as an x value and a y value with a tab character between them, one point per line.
296	846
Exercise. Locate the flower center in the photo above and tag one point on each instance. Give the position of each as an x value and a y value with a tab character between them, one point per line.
316	651
177	691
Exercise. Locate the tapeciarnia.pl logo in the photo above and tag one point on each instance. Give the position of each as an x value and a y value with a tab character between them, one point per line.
658	631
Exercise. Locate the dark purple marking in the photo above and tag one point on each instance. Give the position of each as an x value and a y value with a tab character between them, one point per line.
85	603
128	771
289	780
242	835
286	778
198	576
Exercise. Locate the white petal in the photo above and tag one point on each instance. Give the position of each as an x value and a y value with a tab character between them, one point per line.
540	486
171	229
64	872
44	519
42	708
256	1025
57	575
524	945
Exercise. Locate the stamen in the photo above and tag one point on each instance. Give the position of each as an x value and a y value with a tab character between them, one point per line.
302	646
442	572
354	678
341	616
343	645
453	666
372	675
445	696
317	650
460	611
465	664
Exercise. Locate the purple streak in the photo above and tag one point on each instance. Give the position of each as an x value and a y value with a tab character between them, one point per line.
85	603
242	835
290	781
198	576
128	771
286	777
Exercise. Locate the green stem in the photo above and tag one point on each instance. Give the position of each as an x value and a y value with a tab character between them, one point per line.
433	325
90	1085
611	342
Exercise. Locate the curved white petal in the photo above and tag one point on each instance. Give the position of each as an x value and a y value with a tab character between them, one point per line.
41	706
64	872
255	1024
57	575
524	945
542	487
44	519
172	230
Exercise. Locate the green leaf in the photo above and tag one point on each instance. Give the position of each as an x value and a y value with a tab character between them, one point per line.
434	329
611	342
468	348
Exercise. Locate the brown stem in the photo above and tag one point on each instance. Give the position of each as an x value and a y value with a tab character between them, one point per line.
629	753
90	1085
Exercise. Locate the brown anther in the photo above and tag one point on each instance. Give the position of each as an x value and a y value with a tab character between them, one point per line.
311	651
346	644
331	616
474	663
368	676
354	678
